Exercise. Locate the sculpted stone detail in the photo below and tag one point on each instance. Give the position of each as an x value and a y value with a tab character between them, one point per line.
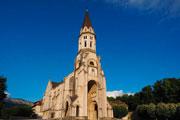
82	94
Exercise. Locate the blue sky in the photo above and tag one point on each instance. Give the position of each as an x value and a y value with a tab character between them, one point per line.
138	41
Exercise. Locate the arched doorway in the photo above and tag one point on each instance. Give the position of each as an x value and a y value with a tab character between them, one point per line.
92	104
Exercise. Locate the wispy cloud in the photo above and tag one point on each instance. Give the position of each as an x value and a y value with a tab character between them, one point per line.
169	8
117	93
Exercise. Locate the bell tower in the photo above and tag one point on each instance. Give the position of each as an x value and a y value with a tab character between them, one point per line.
87	37
89	77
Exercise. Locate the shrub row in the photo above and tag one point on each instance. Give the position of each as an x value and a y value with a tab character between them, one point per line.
160	111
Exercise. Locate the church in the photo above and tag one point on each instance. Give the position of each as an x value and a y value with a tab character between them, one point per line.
82	94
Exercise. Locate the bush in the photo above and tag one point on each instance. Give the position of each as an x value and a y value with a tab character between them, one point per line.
120	111
141	111
22	111
146	112
151	111
177	115
165	111
159	112
172	110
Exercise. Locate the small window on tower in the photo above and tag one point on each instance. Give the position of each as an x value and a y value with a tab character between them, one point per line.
52	115
85	37
91	44
91	37
85	44
92	63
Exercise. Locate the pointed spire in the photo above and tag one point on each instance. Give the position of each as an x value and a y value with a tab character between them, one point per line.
87	21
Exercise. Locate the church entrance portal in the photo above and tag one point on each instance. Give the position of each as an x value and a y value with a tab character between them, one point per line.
92	104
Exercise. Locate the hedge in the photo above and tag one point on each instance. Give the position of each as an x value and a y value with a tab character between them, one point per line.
120	111
160	111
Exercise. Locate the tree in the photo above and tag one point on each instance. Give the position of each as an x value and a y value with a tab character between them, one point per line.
2	88
111	99
146	95
131	100
19	111
2	92
167	90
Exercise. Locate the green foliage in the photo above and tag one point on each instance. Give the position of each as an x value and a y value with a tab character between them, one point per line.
177	116
165	111
146	95
147	112
131	100
2	88
151	111
160	111
22	111
2	92
166	90
120	111
141	110
111	99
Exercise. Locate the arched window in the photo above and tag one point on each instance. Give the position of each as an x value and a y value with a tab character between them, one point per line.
77	111
72	84
85	43
91	37
90	43
92	63
85	37
52	115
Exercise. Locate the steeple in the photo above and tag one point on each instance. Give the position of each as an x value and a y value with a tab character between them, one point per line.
87	21
87	37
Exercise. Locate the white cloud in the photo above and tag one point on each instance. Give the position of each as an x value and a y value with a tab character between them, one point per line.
116	93
8	94
165	7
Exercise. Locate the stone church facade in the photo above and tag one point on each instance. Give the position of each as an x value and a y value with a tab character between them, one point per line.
82	94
